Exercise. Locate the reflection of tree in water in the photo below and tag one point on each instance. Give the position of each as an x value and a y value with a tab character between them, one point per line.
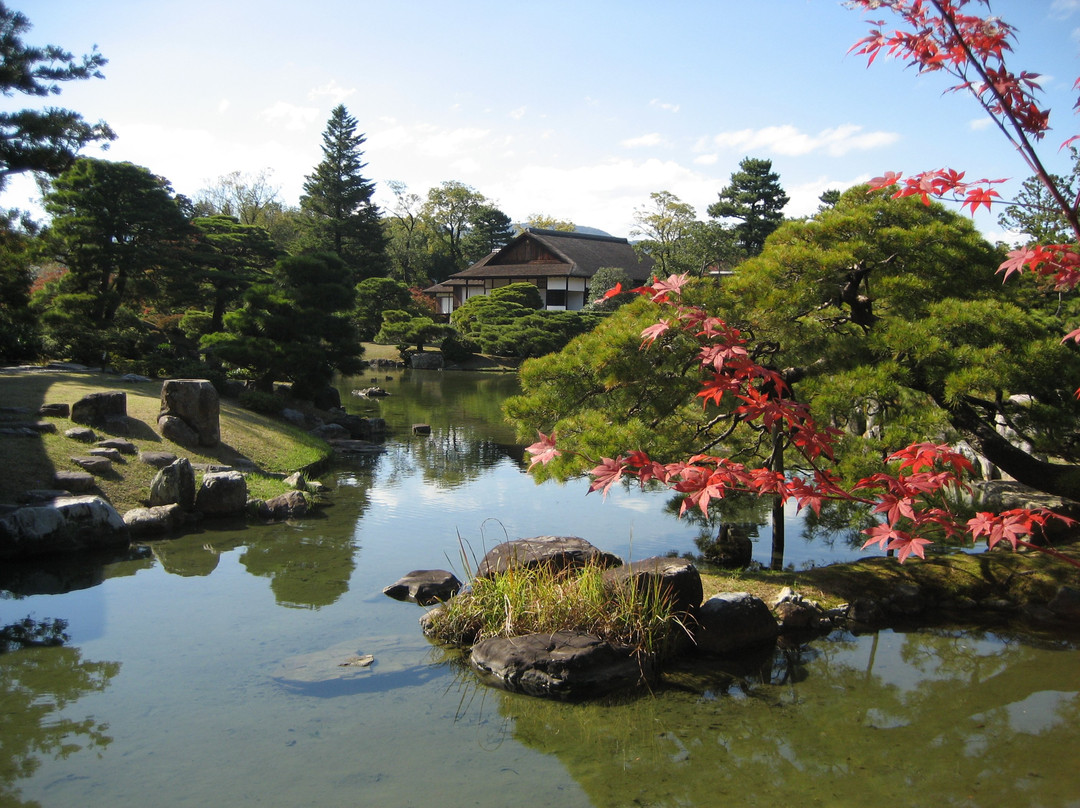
838	522
451	457
36	684
741	514
839	722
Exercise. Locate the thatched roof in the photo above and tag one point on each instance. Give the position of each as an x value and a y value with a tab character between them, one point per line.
554	253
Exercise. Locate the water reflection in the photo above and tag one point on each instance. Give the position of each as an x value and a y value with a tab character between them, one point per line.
897	719
36	686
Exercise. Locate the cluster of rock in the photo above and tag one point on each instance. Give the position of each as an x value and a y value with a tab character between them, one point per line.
575	664
70	516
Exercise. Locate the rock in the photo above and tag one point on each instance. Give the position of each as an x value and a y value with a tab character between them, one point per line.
357	426
177	430
348	447
294	416
326	398
677	578
566	665
794	616
124	447
197	404
421	429
733	621
28	428
222	493
731	549
95	465
77	482
174	485
37	496
425	587
82	434
296	481
558	552
54	411
64	525
370	392
1066	603
289	505
378	426
100	409
155	521
135	378
329	432
101	451
157	459
427	360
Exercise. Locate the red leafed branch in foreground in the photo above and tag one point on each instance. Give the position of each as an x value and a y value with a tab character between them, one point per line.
912	500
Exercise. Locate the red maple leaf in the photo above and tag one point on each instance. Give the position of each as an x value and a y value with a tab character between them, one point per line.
605	475
543	451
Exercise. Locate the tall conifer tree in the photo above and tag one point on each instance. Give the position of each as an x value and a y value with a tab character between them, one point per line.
338	201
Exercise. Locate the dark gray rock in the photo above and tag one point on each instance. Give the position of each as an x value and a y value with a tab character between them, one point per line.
64	525
327	398
290	505
77	482
557	552
111	454
222	493
1066	603
177	430
54	410
95	465
734	621
425	587
676	578
421	429
427	360
197	404
157	520
82	434
157	459
100	409
123	446
330	432
174	485
566	665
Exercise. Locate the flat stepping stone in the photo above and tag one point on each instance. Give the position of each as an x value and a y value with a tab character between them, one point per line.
111	454
124	447
157	459
81	433
77	482
95	465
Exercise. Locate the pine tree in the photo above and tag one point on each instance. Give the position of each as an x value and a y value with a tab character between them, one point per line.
337	201
754	196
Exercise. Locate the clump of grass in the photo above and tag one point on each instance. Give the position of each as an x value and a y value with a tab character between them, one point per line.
545	600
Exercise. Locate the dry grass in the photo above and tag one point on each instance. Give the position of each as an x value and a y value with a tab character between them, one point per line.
247	439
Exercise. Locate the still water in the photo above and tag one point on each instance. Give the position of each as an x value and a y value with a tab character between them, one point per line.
205	670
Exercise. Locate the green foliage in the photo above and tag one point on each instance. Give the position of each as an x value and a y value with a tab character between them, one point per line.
116	227
403	328
375	296
545	600
756	199
509	322
337	201
298	328
19	338
1035	213
230	257
261	402
42	140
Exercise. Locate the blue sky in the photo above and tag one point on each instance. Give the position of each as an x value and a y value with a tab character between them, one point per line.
573	109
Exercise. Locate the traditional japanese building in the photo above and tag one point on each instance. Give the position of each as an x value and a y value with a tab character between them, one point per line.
558	263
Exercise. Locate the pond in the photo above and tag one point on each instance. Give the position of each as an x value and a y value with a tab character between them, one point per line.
206	670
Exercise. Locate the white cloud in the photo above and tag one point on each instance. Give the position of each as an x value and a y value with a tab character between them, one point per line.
518	114
651	139
706	159
656	102
223	105
1064	8
790	141
333	91
978	124
291	116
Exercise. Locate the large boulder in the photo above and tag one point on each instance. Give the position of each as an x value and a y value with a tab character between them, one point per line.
155	521
290	505
557	552
222	493
673	578
425	587
107	408
732	622
174	485
64	525
566	665
196	404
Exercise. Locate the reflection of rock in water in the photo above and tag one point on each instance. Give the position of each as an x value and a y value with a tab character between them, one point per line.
344	669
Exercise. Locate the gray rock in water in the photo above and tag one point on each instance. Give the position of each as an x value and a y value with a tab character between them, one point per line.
734	621
557	552
290	505
425	587
174	485
330	432
222	493
566	665
64	525
154	521
676	578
